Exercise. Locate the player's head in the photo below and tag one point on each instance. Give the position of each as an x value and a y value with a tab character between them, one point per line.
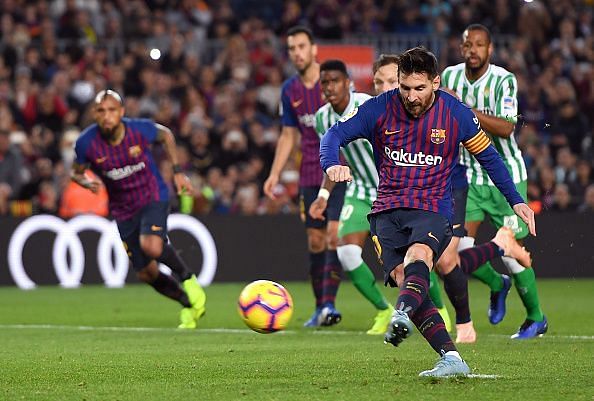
108	113
301	47
417	79
335	83
476	47
385	73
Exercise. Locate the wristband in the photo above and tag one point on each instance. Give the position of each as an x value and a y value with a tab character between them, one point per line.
323	193
177	169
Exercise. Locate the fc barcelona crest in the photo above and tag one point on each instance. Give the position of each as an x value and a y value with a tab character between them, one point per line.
438	136
135	151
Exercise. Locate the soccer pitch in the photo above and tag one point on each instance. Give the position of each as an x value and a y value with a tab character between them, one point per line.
95	343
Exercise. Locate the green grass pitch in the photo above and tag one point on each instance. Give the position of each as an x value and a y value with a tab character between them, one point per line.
95	343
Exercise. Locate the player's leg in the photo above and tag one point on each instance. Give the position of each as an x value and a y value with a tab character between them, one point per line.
154	244
353	230
524	278
316	245
428	234
332	267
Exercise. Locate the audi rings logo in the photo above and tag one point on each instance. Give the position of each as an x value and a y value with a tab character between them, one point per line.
114	271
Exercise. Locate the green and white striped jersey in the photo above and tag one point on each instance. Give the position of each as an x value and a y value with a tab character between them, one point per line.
359	153
495	94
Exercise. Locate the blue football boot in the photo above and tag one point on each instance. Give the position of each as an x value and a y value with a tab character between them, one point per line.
447	366
329	316
315	319
531	329
400	327
497	305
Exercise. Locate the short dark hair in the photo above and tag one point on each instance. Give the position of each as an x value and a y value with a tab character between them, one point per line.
479	27
301	29
418	60
334	65
383	60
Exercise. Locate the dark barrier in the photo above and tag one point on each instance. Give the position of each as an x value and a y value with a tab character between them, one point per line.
247	248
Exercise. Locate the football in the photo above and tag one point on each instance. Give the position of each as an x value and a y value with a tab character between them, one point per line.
265	306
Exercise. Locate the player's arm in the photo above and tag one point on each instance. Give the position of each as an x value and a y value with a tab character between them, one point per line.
78	175
286	141
481	148
502	124
317	208
165	137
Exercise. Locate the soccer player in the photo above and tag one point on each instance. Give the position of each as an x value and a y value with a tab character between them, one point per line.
118	150
301	97
415	131
353	227
491	92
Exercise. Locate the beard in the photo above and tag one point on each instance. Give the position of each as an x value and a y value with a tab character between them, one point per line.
476	67
108	133
417	108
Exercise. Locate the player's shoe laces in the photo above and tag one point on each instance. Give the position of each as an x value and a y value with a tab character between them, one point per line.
497	305
465	333
447	366
531	329
186	318
382	321
446	318
314	320
506	240
196	295
329	316
400	327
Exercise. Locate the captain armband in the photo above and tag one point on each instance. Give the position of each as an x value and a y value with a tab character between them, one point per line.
477	143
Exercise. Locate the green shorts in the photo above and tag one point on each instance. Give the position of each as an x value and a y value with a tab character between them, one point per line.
487	200
353	216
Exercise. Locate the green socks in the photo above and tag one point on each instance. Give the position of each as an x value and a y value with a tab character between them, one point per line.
364	281
525	283
435	290
489	276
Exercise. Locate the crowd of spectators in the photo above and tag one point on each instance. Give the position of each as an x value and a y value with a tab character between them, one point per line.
214	76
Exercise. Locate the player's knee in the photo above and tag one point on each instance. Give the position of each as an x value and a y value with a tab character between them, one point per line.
447	261
332	241
152	247
419	252
350	256
316	241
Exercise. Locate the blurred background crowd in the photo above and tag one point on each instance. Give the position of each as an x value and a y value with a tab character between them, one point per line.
212	72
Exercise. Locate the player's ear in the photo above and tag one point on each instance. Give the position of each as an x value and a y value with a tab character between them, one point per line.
436	82
122	112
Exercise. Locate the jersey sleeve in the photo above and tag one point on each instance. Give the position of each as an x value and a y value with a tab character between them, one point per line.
80	150
357	124
506	96
320	130
147	129
287	114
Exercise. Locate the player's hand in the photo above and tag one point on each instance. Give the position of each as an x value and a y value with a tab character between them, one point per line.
93	186
317	208
269	185
182	184
339	173
526	214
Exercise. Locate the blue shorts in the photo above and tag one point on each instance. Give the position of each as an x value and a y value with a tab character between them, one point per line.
307	195
151	219
459	218
394	231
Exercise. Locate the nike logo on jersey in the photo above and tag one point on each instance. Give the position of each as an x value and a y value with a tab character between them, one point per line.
432	236
100	160
386	132
456	226
296	103
156	228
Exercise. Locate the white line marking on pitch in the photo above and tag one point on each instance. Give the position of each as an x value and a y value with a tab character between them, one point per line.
223	330
482	376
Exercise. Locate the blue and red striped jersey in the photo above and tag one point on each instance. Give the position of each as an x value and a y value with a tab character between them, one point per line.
128	169
415	156
298	109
